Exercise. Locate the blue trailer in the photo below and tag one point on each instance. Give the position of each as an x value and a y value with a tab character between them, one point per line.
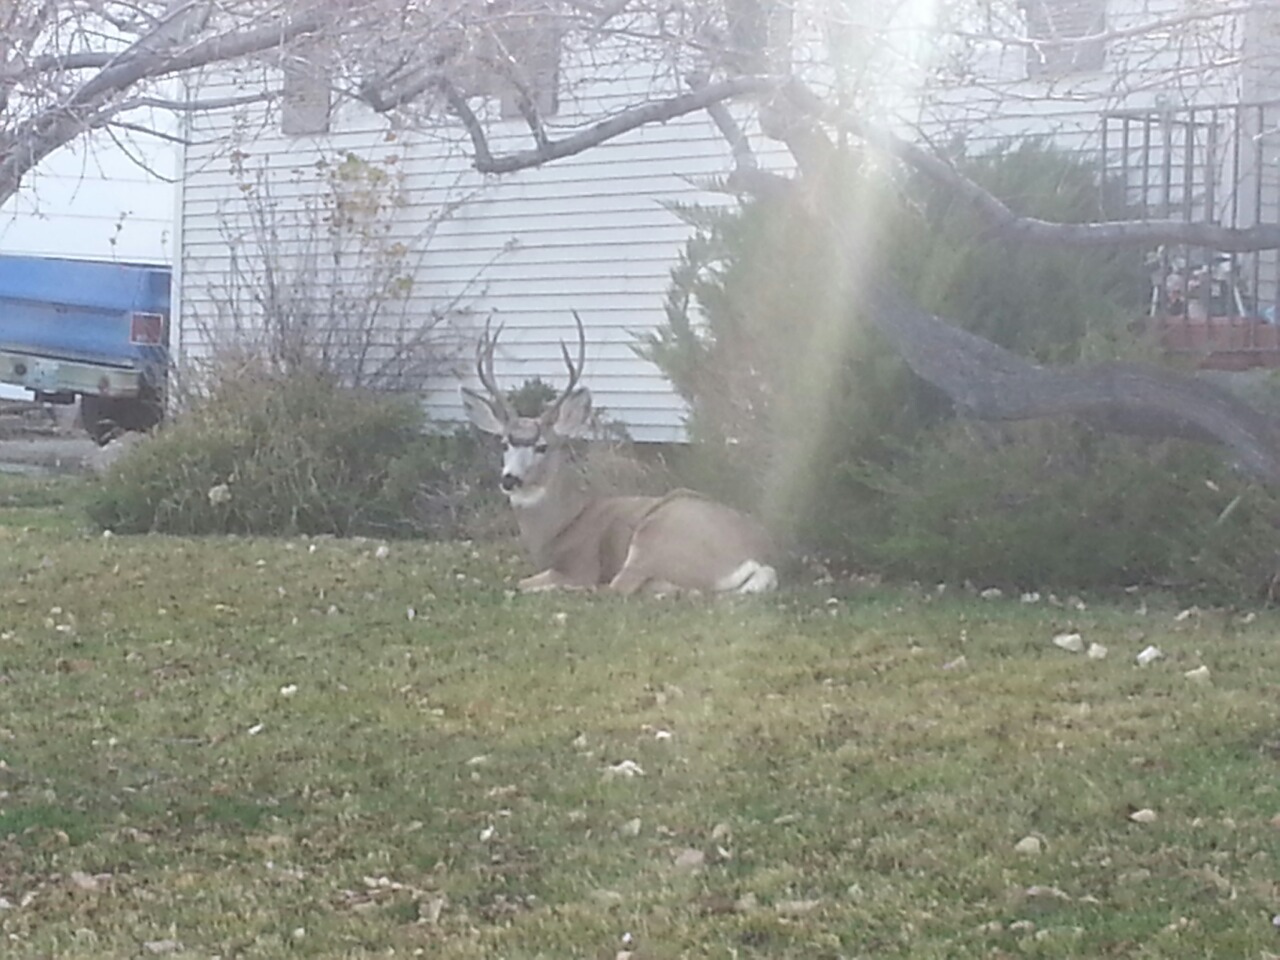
87	330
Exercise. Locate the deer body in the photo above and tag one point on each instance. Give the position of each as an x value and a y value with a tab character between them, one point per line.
680	541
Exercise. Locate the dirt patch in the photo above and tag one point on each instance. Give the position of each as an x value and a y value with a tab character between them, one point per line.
51	453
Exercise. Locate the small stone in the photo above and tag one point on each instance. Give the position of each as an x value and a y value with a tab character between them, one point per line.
84	881
1029	845
624	769
1096	651
955	664
1070	642
1022	926
631	828
161	947
1145	815
991	593
746	903
1149	655
1199	675
1046	893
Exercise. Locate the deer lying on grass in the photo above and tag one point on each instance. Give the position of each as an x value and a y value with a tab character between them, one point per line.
681	541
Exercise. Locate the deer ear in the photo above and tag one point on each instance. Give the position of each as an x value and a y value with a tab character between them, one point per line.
481	412
573	415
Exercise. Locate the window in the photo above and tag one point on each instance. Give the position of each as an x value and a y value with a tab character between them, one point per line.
522	56
1065	20
760	33
305	97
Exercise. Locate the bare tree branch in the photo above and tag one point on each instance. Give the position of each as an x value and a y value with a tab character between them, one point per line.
33	139
1019	229
179	106
475	129
744	158
1150	28
658	111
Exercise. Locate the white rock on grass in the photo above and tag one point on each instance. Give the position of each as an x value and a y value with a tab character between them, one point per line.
1070	642
1149	655
1030	846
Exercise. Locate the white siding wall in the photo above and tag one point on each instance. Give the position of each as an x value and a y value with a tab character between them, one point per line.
588	233
91	199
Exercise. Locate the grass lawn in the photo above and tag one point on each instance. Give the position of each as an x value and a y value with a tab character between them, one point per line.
271	748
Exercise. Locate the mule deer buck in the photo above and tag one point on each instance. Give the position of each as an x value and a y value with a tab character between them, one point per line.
680	541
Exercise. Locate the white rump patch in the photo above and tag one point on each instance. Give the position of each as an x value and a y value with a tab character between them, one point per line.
750	577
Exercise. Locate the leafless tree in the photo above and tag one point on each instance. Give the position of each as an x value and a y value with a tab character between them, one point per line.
811	75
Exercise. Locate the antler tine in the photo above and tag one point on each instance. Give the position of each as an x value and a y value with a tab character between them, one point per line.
575	373
485	347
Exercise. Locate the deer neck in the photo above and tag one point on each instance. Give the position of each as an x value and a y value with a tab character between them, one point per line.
545	513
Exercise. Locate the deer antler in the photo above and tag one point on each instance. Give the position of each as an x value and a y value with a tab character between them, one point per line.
575	373
484	369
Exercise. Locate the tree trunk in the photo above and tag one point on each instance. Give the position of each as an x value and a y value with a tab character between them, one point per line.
988	382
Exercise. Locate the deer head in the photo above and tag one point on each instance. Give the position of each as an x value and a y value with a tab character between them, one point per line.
533	448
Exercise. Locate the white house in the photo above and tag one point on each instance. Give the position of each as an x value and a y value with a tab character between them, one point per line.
594	232
98	198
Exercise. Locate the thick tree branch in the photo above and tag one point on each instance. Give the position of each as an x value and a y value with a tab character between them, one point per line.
51	128
1018	229
658	111
177	106
990	383
744	158
475	130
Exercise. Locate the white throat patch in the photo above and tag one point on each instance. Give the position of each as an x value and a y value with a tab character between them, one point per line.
526	498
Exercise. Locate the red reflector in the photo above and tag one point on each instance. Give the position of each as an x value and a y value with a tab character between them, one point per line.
147	328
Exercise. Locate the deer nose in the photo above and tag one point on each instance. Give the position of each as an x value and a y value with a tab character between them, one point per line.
509	482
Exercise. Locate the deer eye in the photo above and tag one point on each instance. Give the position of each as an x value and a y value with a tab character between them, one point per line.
540	447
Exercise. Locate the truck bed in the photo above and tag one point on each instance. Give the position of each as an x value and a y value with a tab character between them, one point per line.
81	310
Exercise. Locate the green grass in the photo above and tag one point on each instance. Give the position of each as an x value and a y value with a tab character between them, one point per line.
436	786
